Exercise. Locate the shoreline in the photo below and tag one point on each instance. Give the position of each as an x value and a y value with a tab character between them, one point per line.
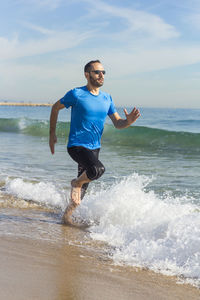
24	104
39	269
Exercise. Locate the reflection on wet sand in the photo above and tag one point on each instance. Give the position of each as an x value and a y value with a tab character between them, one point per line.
67	269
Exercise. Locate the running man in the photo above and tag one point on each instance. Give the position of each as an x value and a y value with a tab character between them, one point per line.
89	109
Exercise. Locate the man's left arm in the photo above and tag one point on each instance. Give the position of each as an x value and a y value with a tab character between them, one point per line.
131	117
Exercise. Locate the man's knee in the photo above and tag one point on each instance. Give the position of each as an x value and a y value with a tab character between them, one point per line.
96	171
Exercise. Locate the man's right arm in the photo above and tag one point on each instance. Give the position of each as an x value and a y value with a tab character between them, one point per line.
53	120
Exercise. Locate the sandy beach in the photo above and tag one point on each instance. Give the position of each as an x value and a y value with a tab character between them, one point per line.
45	271
143	212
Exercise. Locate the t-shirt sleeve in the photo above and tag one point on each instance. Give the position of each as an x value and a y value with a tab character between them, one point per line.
69	99
112	108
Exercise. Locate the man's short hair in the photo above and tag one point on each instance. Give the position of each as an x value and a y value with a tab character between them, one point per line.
88	66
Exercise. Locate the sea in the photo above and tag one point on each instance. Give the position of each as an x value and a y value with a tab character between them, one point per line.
144	212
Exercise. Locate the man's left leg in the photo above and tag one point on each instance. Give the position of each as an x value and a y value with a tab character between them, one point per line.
84	188
76	188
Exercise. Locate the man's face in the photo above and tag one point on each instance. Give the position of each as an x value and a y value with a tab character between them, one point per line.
96	80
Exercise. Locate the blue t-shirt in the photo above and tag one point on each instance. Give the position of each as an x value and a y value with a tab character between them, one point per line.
88	116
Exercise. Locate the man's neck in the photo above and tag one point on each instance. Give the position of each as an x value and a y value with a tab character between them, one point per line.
93	89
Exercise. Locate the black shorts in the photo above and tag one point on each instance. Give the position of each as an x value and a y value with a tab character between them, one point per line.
88	160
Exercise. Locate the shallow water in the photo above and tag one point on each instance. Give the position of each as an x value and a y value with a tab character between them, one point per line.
146	207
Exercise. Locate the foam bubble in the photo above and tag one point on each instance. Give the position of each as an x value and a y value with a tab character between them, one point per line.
43	193
145	230
22	124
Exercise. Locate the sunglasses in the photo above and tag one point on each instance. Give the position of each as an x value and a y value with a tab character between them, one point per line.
97	72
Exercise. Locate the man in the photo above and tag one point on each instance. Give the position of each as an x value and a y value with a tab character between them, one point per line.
89	108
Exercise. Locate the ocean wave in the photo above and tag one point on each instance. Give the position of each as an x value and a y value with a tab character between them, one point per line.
134	136
32	127
25	194
152	138
145	230
142	228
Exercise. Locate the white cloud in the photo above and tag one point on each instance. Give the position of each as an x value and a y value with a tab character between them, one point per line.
136	20
142	42
194	20
52	80
39	29
53	42
41	82
47	4
122	62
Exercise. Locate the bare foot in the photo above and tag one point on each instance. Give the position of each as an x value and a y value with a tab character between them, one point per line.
74	202
66	219
75	193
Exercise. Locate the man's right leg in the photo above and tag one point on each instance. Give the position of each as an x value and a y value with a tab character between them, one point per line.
92	169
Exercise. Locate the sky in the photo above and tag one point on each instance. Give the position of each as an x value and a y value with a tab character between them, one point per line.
150	49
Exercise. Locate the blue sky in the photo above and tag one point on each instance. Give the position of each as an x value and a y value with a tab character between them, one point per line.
150	49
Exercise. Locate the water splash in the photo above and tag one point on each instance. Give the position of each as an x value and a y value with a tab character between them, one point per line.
41	193
162	234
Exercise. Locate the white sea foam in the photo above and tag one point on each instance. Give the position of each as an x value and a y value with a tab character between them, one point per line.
145	230
43	193
22	123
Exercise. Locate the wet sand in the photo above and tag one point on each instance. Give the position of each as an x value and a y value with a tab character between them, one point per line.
38	269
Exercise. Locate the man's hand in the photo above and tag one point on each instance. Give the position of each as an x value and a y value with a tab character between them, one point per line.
52	142
120	123
133	116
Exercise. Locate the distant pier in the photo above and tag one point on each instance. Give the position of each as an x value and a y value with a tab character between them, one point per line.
24	104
